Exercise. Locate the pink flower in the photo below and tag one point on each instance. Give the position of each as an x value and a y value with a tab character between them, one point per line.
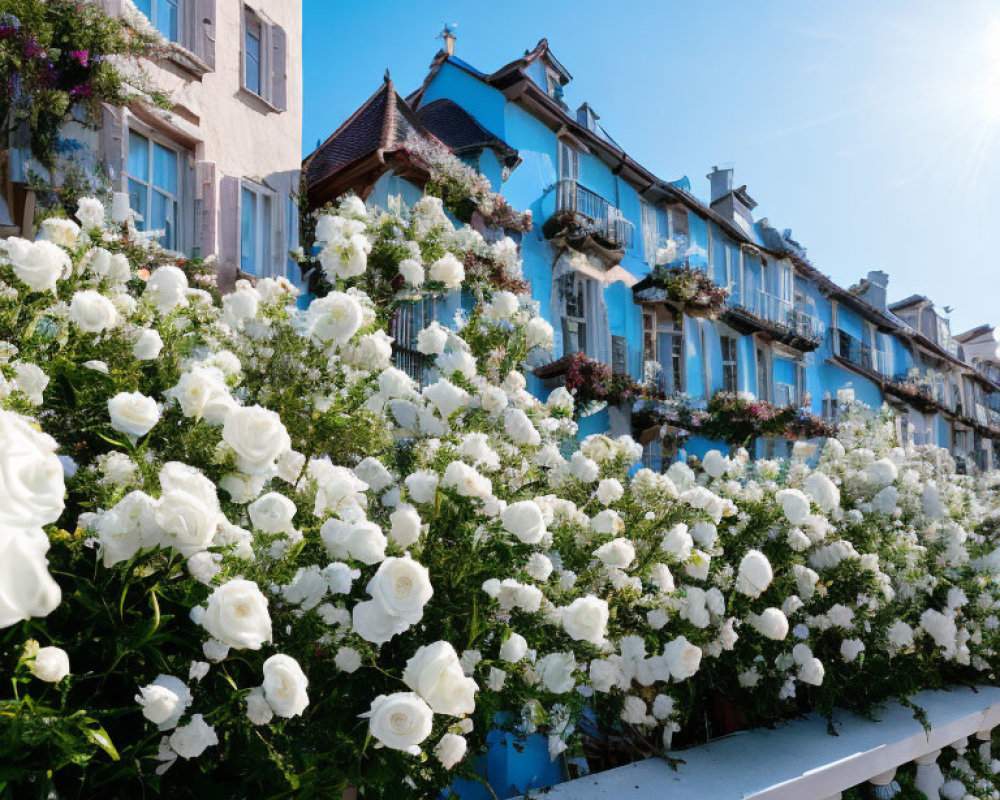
83	56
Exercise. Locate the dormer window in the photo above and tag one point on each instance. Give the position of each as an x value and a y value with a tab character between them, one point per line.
554	85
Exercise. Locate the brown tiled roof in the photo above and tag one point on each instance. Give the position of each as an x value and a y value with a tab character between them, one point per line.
381	125
461	131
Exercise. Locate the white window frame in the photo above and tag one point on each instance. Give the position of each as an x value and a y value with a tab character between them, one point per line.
569	163
265	264
180	200
733	364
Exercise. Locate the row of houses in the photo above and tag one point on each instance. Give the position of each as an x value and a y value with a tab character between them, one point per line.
611	240
219	170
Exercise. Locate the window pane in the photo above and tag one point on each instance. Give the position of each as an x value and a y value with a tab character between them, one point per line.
137	201
248	234
165	169
264	226
166	18
138	156
163	217
252	65
146	7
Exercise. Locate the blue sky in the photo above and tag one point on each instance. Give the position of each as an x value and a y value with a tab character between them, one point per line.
869	129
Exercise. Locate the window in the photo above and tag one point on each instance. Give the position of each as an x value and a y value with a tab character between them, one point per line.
252	54
263	59
574	323
670	349
553	85
730	370
569	163
255	230
164	14
153	187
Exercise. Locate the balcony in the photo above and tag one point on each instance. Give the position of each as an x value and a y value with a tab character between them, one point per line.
800	759
780	318
860	357
587	222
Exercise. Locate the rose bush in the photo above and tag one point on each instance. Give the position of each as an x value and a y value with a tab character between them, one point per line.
244	554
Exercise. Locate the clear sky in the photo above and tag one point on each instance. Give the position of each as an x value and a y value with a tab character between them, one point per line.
868	128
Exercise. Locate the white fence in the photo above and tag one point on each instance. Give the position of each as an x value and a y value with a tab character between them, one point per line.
800	760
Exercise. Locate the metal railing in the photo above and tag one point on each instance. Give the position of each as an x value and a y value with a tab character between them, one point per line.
607	220
786	314
857	352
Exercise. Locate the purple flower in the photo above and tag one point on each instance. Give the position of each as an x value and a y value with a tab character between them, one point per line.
81	55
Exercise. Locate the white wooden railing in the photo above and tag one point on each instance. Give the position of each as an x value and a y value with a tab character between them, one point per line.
800	760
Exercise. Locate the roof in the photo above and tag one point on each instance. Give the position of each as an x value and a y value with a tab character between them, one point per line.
975	333
912	300
462	132
381	125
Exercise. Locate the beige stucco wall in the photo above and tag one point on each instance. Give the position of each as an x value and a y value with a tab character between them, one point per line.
238	131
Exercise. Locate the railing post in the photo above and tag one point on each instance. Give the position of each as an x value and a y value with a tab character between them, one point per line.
884	786
985	737
929	777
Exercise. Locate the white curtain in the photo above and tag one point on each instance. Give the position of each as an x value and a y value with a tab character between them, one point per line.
595	309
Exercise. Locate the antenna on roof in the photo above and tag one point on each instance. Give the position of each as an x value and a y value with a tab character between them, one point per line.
448	34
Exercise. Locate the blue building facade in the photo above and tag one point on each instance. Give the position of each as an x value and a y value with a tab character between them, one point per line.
607	233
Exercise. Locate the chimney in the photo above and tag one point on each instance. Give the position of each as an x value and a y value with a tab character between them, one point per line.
722	182
875	286
448	34
587	117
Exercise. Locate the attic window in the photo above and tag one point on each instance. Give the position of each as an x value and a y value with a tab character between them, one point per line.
554	84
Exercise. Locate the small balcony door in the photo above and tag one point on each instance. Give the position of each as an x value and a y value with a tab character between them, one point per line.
764	374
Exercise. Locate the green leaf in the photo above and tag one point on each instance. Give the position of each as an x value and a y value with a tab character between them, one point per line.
100	737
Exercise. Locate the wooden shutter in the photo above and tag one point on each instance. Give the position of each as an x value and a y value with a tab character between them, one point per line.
205	207
229	230
203	42
113	143
279	91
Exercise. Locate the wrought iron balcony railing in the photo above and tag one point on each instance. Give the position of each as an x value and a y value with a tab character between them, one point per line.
606	220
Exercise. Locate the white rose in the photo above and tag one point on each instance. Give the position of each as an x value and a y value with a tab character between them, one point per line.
618	553
422	486
447	270
31	477
92	311
538	333
555	671
539	566
811	671
188	511
823	491
90	212
609	490
362	540
373	352
167	287
38	265
466	481
120	270
236	614
191	740
128	527
63	232
148	345
258	711
682	658
519	427
406	525
285	686
202	392
400	721
31	380
586	619
50	664
347	659
794	503
754	575
678	542
239	306
272	513
560	398
446	397
432	339
514	648
771	623
434	673
373	472
133	413
335	318
257	436
450	749
399	589
525	520
28	589
582	468
412	272
164	701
